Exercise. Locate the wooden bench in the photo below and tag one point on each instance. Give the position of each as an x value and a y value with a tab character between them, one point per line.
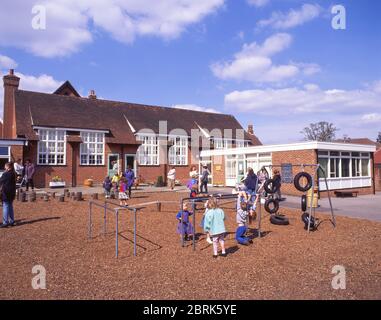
346	194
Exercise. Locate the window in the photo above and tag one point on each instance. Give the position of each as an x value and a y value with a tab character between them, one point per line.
178	152
365	167
324	165
92	148
148	152
334	168
240	144
223	143
51	147
345	167
356	168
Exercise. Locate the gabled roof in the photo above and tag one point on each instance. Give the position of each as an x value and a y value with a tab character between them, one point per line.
119	118
67	89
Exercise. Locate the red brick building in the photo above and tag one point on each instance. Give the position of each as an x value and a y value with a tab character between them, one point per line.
79	138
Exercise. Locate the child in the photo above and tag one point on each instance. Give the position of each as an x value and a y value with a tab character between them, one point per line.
192	185
215	226
115	184
107	185
242	215
208	240
123	197
185	227
277	183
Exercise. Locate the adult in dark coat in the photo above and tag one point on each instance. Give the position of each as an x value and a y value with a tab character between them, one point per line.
8	194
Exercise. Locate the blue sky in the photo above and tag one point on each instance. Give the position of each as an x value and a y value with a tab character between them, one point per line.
277	64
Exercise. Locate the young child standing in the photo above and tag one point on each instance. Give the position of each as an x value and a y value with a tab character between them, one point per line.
107	185
214	224
123	197
184	227
208	240
115	184
242	216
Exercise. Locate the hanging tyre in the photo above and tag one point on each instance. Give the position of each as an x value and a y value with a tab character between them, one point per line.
304	203
299	186
270	187
272	206
279	220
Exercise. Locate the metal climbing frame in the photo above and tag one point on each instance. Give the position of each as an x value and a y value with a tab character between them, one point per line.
106	207
317	168
218	196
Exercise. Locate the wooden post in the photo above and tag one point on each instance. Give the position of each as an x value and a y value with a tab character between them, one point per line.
158	205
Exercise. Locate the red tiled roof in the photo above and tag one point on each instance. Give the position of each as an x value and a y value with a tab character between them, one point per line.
54	110
365	141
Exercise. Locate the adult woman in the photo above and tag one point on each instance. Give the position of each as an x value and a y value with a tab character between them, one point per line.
8	194
250	181
171	176
130	177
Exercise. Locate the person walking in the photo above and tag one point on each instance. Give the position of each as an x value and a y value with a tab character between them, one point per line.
171	176
204	180
8	194
29	174
130	177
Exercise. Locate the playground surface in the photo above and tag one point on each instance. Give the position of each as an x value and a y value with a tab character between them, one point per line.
286	263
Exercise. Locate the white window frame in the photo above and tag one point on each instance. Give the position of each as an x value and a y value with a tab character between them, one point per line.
87	139
178	152
48	141
338	175
145	151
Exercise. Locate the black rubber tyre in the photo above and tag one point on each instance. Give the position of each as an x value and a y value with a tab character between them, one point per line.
297	184
273	202
270	187
279	220
305	218
304	203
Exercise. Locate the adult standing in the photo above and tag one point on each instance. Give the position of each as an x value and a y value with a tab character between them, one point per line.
19	169
250	181
171	176
278	184
29	174
130	176
204	179
8	194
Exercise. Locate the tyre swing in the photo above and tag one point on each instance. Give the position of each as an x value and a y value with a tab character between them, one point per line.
297	181
272	205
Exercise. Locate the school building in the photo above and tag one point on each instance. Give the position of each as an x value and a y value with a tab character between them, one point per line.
78	138
348	166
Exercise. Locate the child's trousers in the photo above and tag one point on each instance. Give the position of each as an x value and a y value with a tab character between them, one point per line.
240	235
218	239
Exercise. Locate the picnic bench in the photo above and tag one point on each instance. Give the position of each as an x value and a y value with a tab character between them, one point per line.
346	194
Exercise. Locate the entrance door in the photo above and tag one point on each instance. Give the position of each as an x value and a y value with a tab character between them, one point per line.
112	164
240	170
208	163
130	160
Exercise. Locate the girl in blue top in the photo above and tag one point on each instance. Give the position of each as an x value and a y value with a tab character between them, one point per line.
184	227
214	224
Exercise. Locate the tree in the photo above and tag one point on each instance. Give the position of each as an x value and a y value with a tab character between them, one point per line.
379	137
320	131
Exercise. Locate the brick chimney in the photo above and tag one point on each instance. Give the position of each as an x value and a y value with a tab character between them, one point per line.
11	83
92	94
250	129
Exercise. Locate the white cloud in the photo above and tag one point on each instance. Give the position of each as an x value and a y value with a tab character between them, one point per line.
41	83
253	63
194	107
72	23
7	63
371	118
310	99
293	18
258	3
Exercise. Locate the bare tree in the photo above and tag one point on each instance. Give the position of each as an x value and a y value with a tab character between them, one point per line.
320	131
379	137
